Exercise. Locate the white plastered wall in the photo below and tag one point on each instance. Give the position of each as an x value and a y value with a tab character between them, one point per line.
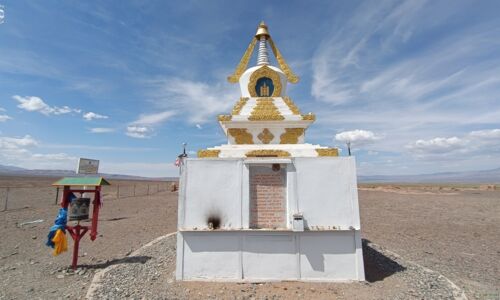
323	189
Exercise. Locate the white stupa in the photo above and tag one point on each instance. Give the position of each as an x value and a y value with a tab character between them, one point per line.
267	205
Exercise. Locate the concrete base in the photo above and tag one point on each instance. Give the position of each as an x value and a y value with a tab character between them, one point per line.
261	255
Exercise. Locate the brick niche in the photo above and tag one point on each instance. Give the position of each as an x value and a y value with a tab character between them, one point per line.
267	197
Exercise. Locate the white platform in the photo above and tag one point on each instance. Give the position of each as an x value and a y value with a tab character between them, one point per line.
323	189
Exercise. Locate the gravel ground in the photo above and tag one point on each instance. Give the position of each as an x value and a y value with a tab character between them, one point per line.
457	235
150	273
452	230
27	268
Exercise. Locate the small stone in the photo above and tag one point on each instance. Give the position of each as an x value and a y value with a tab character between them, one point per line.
34	237
60	276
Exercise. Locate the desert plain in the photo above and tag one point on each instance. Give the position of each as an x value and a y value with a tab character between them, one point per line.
425	241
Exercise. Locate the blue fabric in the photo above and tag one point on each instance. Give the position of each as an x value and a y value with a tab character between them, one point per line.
72	197
59	223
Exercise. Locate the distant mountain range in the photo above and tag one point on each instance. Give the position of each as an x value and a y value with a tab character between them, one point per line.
16	171
486	176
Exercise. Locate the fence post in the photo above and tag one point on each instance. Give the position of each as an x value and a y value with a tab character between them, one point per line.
118	192
148	189
6	199
157	188
134	189
57	195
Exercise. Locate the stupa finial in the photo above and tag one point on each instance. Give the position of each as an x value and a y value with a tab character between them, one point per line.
262	31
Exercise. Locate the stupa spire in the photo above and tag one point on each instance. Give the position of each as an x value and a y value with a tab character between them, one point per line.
262	57
263	37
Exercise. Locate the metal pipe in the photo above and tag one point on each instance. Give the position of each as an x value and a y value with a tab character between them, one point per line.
6	199
57	195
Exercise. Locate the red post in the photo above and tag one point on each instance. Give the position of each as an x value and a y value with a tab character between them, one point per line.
77	232
76	246
64	201
95	213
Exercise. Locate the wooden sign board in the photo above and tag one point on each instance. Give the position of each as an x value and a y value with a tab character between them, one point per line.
87	166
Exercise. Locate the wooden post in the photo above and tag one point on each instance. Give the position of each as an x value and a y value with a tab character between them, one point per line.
57	195
6	199
148	189
118	191
157	188
134	189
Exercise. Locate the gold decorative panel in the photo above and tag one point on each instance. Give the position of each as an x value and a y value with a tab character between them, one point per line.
264	71
265	136
238	106
291	135
243	63
309	117
240	135
282	63
224	118
328	152
265	110
208	153
295	110
267	153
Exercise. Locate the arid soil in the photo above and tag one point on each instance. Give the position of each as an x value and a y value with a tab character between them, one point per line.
455	234
27	268
452	230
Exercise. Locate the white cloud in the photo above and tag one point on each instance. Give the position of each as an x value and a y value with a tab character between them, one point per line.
101	130
13	143
53	157
365	76
199	126
200	102
140	132
33	103
154	119
158	169
4	118
19	151
92	115
437	145
486	134
472	148
144	126
357	137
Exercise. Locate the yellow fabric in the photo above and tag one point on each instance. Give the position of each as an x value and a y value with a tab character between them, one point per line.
60	242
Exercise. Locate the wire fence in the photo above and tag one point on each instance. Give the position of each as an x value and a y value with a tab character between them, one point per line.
15	197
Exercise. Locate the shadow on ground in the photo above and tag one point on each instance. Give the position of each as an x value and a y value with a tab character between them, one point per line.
125	260
377	265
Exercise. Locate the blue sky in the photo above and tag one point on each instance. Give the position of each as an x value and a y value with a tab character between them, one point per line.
414	84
